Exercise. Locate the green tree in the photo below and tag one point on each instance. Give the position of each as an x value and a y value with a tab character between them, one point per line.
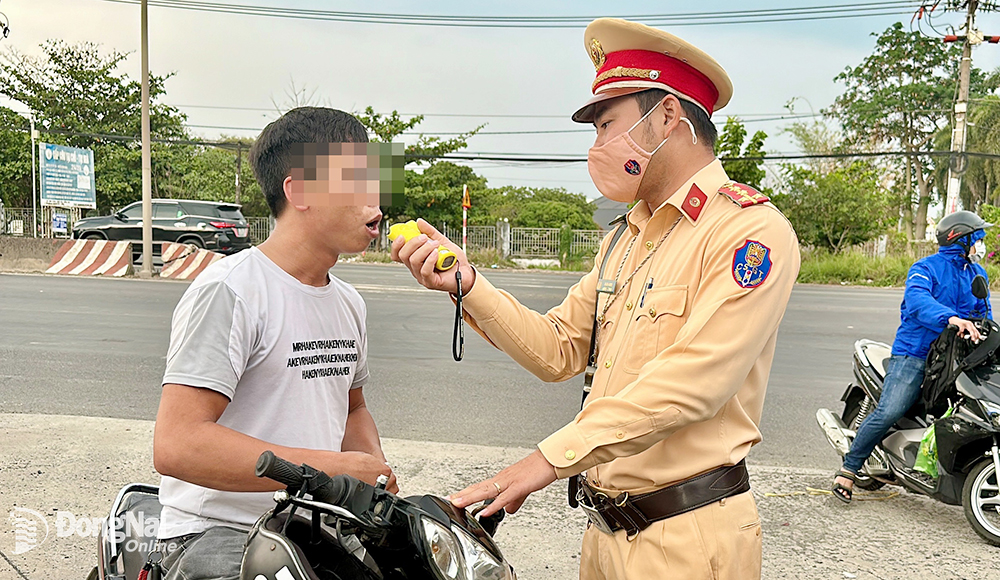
79	100
435	194
553	214
981	179
898	98
386	128
15	160
729	147
835	210
537	207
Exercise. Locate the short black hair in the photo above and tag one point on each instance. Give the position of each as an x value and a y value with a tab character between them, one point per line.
703	126
272	154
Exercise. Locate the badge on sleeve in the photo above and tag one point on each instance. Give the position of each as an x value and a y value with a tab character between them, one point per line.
751	264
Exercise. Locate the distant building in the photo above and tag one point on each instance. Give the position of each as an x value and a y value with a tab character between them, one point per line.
607	210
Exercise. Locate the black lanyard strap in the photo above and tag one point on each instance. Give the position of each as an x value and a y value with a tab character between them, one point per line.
458	336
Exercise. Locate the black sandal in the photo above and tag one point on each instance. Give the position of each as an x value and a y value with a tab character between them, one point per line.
843	493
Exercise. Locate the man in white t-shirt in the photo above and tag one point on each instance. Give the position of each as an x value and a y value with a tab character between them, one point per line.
269	352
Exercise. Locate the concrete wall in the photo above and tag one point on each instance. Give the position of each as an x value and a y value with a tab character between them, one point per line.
27	254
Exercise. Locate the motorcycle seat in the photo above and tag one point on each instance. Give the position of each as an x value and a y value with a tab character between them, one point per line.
878	355
139	517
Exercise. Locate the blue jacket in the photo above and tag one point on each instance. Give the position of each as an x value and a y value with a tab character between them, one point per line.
937	288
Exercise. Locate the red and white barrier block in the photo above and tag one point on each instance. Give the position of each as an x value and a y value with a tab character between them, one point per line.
185	261
92	258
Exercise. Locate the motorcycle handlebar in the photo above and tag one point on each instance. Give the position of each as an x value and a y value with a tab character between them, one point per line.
323	488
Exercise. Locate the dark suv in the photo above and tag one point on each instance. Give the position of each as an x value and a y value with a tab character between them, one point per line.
215	226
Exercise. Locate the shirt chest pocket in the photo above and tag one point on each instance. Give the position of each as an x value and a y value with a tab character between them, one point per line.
655	325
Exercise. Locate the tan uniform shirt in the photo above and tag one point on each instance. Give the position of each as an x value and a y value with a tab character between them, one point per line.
684	352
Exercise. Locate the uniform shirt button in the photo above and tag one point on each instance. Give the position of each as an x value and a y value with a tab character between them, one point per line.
628	306
652	312
607	364
649	245
571	455
620	434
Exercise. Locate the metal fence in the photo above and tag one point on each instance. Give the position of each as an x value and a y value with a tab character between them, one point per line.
260	228
881	247
586	242
18	221
479	237
534	242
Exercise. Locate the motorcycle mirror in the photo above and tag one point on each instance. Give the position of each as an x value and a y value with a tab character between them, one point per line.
489	523
980	289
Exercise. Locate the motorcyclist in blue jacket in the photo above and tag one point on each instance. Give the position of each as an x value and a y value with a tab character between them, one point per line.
938	293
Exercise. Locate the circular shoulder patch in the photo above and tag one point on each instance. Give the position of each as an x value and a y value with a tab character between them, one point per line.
751	264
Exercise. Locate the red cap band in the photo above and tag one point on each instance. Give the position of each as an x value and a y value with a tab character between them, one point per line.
645	65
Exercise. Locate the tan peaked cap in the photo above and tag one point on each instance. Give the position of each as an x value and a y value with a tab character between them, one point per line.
630	57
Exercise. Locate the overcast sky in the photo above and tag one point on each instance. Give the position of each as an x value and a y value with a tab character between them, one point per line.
224	60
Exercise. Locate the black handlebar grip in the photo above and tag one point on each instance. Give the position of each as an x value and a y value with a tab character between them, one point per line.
333	490
284	472
321	486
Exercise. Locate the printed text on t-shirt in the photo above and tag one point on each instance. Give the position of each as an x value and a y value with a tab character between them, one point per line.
324	359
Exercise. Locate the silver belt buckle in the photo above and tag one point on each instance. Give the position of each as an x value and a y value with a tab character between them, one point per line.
593	515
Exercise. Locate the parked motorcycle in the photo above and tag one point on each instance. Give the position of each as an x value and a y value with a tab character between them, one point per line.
324	528
968	458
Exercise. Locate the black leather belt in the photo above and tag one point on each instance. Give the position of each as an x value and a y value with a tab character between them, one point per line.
636	513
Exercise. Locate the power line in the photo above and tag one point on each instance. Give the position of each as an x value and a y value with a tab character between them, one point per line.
806	13
553	158
530	132
430	134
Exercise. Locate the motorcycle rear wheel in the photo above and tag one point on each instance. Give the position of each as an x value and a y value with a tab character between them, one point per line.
980	500
851	410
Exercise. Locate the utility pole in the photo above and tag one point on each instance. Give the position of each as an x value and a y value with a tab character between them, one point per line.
239	168
147	165
34	180
958	136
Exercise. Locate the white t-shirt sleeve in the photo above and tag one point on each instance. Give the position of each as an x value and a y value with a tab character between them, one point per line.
361	370
211	337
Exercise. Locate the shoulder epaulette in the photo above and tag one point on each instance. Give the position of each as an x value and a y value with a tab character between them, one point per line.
743	195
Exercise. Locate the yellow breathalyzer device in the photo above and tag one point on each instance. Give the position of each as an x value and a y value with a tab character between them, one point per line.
446	259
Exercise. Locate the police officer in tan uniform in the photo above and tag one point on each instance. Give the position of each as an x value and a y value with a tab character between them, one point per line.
678	322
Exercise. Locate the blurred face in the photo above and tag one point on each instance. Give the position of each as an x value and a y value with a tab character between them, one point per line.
350	178
337	192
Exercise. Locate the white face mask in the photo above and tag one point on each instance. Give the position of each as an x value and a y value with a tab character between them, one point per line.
978	251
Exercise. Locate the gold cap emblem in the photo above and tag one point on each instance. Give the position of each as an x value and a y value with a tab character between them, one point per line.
597	53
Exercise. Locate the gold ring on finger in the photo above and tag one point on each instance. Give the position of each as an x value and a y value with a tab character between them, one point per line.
499	489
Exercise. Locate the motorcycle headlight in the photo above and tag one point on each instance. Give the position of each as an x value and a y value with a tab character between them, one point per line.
444	550
480	564
992	412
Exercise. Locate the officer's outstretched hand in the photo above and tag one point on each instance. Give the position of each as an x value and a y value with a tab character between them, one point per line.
419	255
966	328
510	487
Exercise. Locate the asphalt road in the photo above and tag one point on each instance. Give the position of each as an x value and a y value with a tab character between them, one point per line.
96	347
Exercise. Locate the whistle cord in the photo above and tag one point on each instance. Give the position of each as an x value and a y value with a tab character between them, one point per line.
458	338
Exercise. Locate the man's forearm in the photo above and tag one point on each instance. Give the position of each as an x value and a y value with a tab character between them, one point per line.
217	457
361	434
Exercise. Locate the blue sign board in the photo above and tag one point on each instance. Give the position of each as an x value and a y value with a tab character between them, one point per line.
59	223
67	176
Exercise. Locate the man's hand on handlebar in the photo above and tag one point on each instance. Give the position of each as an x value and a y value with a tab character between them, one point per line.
966	329
363	466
